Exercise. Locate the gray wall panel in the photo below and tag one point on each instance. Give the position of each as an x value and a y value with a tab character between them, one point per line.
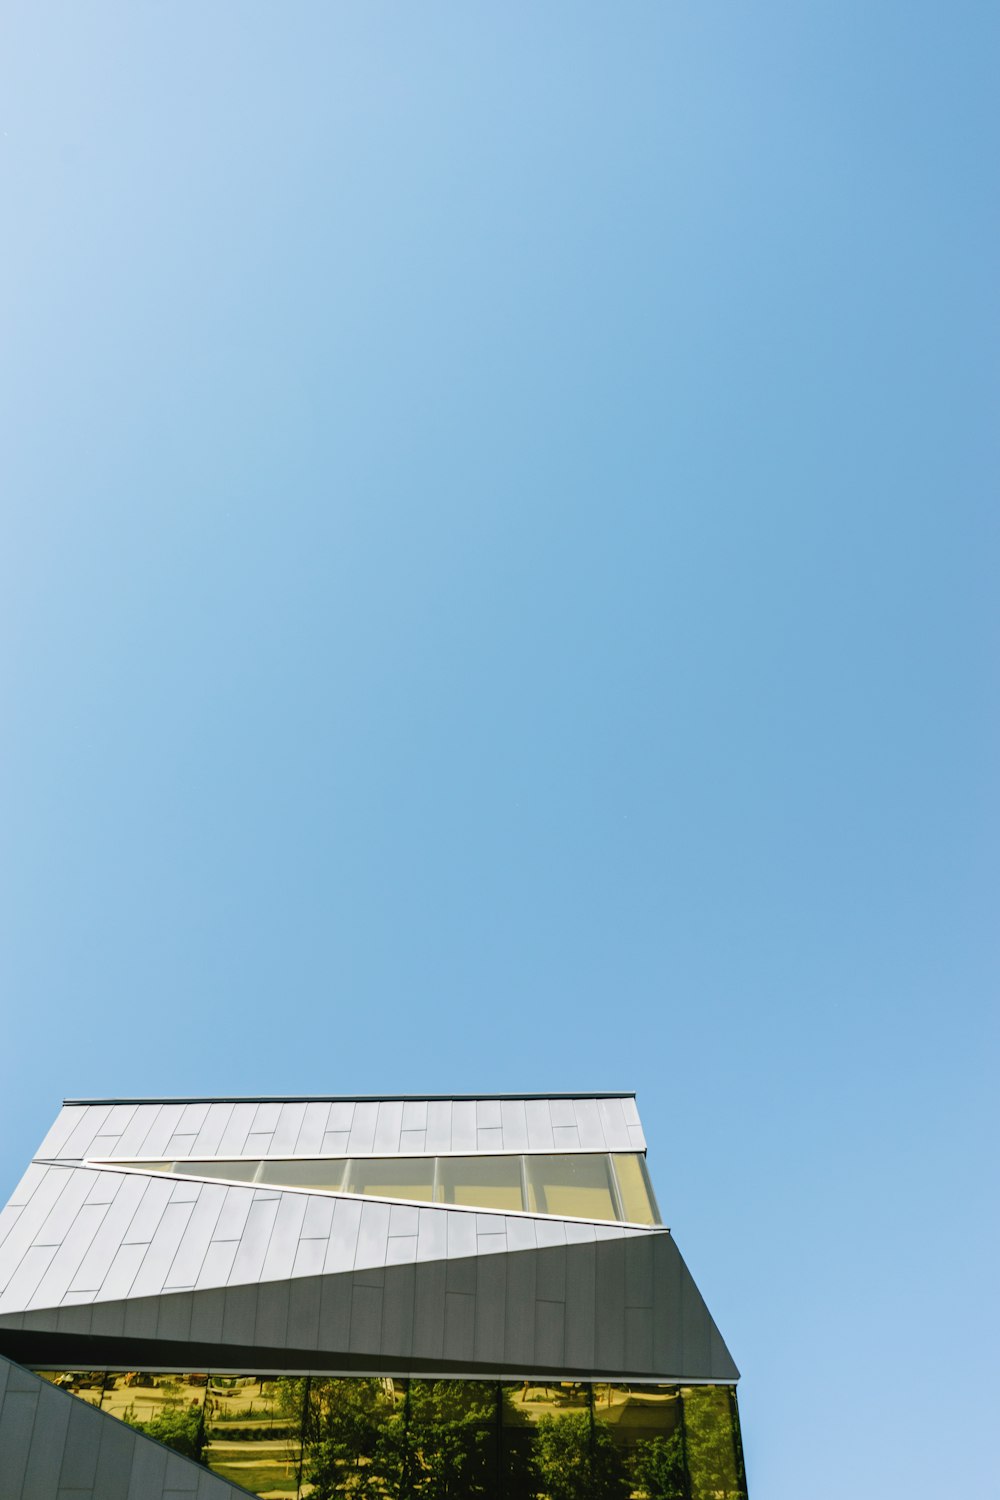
30	1220
414	1114
581	1304
514	1123
96	1265
152	1205
366	1319
342	1247
519	1338
130	1141
521	1234
362	1131
551	1283
430	1284
334	1313
310	1137
551	1232
105	1187
388	1126
639	1271
609	1328
373	1232
613	1124
249	1260
79	1467
78	1182
217	1267
239	1314
162	1248
340	1115
89	1124
44	1458
209	1137
31	1268
279	1262
286	1132
29	1182
271	1329
491	1307
432	1234
459	1327
539	1122
238	1127
318	1219
397	1312
114	1462
61	1129
562	1113
438	1125
189	1258
174	1316
17	1418
401	1250
149	1469
66	1262
141	1317
463	1125
462	1274
588	1124
234	1214
639	1338
303	1312
309	1258
461	1235
154	1142
550	1334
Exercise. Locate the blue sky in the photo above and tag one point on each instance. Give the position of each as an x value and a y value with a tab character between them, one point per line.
498	584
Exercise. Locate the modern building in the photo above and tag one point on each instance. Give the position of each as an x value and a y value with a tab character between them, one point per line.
436	1297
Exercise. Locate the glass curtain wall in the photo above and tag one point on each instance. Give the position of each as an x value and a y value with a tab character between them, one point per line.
579	1185
388	1439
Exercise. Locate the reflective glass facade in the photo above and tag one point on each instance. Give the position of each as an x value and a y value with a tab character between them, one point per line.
293	1438
582	1185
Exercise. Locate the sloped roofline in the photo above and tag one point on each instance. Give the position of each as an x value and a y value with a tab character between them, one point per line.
349	1098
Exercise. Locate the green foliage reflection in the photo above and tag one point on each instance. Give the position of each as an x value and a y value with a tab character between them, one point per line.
180	1429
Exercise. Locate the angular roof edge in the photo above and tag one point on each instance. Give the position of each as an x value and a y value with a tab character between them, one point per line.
346	1098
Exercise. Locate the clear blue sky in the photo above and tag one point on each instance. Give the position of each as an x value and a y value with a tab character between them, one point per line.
499	591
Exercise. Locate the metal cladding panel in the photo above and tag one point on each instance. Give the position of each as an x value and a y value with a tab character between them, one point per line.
168	1130
561	1311
54	1446
158	1235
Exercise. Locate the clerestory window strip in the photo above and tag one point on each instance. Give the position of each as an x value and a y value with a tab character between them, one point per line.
596	1187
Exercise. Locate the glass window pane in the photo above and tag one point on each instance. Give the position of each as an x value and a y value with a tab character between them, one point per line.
323	1175
712	1440
633	1186
168	1407
353	1437
644	1424
254	1426
452	1439
579	1186
480	1181
88	1385
230	1171
410	1177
